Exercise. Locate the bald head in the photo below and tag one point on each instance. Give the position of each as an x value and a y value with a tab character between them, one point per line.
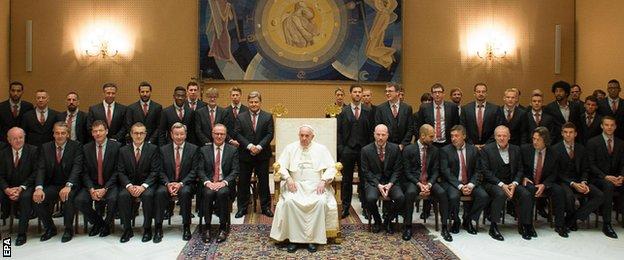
381	134
426	134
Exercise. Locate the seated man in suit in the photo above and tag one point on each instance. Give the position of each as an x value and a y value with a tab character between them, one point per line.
382	167
606	169
573	177
208	116
500	163
58	178
180	162
99	179
111	112
307	207
38	123
76	120
540	177
17	175
422	168
146	111
458	167
138	168
217	172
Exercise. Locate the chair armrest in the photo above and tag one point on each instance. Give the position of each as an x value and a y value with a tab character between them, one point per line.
277	178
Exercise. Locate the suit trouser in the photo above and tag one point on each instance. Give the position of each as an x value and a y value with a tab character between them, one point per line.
395	194
608	190
521	196
437	193
84	203
261	168
557	200
594	200
149	207
220	200
44	209
185	196
24	202
349	158
472	210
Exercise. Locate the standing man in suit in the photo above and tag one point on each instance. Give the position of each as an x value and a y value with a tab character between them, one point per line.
367	101
536	117
58	178
500	163
193	101
422	169
440	114
382	167
479	118
138	167
573	177
111	112
17	176
232	112
76	120
207	117
254	132
181	160
219	167
606	169
339	94
38	122
613	106
99	179
146	111
589	125
179	111
513	117
458	167
396	116
575	93
13	109
354	132
456	97
561	109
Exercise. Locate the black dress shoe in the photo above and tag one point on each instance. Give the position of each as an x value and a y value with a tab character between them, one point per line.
376	227
67	236
127	234
389	226
291	248
467	225
494	233
158	235
312	248
95	230
561	231
531	231
222	236
240	213
445	234
105	231
572	226
345	213
186	234
455	227
21	239
267	212
607	229
49	233
407	234
147	235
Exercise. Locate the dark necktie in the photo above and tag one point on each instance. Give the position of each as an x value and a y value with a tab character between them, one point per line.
464	171
100	165
217	166
178	160
538	167
423	164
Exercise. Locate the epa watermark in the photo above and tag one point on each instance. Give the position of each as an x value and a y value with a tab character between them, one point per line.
6	247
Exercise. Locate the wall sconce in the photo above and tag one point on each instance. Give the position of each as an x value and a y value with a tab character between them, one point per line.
490	42
102	48
103	40
492	51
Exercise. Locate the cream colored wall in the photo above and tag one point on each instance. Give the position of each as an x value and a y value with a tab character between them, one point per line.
599	53
4	47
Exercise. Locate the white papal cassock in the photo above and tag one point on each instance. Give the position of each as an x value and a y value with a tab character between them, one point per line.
304	216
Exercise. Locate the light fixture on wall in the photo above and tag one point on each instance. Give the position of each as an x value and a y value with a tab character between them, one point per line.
490	42
102	48
104	40
492	51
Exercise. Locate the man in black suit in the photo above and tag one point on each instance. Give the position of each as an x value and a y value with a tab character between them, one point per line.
561	109
575	93
367	101
422	169
181	160
606	169
146	111
17	176
456	97
58	177
613	106
339	94
76	120
179	111
513	117
99	179
535	117
254	132
193	101
207	117
540	179
111	112
500	163
458	167
218	171
13	109
479	118
232	112
589	125
38	122
382	167
573	177
440	114
354	132
397	116
138	168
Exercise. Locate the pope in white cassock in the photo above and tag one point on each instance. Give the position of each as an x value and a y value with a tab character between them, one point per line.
306	207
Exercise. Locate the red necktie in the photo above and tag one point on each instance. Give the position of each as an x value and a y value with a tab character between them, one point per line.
137	155
59	154
357	113
253	121
70	120
610	145
590	118
438	123
381	154
235	110
109	115
100	165
509	115
145	109
571	151
178	160
480	120
212	118
15	111
538	118
464	171
181	113
217	166
17	158
42	117
538	167
423	166
395	111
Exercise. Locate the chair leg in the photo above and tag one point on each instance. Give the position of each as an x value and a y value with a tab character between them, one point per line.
436	212
76	226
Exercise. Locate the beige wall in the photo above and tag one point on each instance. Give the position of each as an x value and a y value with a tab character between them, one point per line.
600	33
165	49
4	47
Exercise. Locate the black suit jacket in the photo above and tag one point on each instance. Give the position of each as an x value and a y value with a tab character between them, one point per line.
151	121
413	164
37	134
203	128
82	136
549	169
546	120
262	136
586	132
449	164
604	108
7	121
169	117
490	164
576	109
571	170
118	128
517	124
25	172
109	163
188	165
468	119
426	115
71	164
146	170
229	164
346	123
199	104
404	125
600	162
232	119
376	172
